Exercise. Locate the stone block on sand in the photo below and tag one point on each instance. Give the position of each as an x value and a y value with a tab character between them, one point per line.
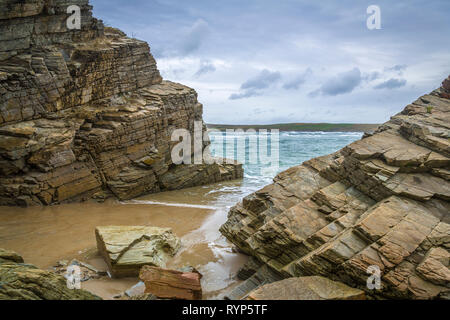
126	249
171	284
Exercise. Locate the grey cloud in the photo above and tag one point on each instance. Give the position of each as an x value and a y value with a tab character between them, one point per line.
254	86
342	83
372	76
205	67
194	37
295	83
391	84
397	68
262	81
314	93
245	94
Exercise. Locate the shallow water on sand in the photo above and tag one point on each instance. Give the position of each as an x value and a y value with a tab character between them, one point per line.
45	235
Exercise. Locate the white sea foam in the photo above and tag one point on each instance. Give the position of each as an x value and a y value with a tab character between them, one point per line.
170	204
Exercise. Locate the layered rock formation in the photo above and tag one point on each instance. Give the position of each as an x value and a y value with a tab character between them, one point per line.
171	284
21	281
306	288
128	248
85	113
382	201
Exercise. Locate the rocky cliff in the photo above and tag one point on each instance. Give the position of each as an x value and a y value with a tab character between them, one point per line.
382	201
85	113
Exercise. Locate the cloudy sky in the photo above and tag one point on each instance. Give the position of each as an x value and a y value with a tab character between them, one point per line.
277	61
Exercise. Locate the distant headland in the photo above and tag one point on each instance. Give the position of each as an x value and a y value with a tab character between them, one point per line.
327	127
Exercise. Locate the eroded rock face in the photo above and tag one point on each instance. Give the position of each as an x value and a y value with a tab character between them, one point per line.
381	201
306	288
85	113
127	248
20	281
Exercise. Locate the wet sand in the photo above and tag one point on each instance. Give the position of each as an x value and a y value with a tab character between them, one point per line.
46	235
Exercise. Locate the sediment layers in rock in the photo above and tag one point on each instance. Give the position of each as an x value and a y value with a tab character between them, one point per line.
85	113
171	284
21	281
381	201
306	288
126	249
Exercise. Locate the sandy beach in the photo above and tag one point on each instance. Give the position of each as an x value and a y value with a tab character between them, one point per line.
46	235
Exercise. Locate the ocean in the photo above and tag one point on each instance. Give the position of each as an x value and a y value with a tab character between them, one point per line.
293	149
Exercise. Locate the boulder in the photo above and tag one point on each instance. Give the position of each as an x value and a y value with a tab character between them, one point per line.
445	92
20	281
306	288
10	256
446	84
127	248
171	284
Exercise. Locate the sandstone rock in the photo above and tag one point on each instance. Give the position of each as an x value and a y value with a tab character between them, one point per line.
435	267
20	281
86	112
445	92
306	288
171	284
10	256
261	277
127	248
381	201
249	269
446	84
190	269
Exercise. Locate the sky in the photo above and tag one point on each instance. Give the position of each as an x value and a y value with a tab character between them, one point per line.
281	61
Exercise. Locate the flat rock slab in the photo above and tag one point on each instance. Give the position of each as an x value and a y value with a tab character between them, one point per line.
171	284
126	249
306	288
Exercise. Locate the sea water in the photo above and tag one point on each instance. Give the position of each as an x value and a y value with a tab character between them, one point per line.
293	149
